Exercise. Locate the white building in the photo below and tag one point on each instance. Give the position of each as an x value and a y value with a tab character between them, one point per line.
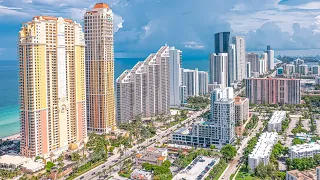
191	82
289	69
304	150
275	123
248	70
10	162
203	82
270	53
303	69
262	151
262	66
144	90
240	44
175	57
232	63
218	67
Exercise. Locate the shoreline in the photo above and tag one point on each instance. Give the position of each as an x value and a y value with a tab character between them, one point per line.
12	137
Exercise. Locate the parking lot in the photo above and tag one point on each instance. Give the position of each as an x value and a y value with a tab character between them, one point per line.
197	169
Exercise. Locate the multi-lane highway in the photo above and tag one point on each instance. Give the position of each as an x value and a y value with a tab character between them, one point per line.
160	137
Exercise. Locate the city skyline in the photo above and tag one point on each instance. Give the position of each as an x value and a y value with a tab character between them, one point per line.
276	18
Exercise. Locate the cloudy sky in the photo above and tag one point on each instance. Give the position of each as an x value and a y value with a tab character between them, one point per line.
142	26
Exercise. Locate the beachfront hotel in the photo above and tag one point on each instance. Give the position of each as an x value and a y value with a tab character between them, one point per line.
52	86
98	30
145	89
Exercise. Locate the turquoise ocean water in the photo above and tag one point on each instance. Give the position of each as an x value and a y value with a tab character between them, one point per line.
9	96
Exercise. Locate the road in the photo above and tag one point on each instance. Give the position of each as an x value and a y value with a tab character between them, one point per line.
159	137
234	164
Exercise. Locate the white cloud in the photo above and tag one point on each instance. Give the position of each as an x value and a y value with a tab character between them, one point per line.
192	45
117	23
4	10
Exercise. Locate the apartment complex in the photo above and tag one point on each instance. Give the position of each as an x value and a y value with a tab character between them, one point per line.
273	90
240	44
175	58
99	56
253	58
232	64
152	155
203	82
218	130
275	123
218	69
304	150
270	53
145	89
191	82
289	69
241	110
221	42
52	85
262	151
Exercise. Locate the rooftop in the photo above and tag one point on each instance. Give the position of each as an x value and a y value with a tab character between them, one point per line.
240	100
303	175
50	18
305	147
14	160
101	5
277	117
183	131
264	145
33	166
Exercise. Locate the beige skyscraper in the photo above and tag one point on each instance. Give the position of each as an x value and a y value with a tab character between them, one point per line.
52	86
98	26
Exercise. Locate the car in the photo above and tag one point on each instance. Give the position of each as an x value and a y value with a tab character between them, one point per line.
82	177
103	166
93	173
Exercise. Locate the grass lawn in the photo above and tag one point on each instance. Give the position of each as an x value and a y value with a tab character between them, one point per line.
245	176
221	171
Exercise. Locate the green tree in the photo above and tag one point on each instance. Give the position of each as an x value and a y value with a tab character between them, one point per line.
228	152
296	141
49	166
212	146
75	156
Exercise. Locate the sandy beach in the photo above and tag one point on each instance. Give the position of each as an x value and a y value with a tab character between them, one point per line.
13	137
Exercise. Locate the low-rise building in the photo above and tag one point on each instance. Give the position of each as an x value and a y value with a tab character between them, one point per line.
11	162
262	151
304	150
275	123
313	174
152	155
32	167
138	174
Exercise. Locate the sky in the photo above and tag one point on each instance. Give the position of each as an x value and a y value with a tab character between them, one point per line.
142	26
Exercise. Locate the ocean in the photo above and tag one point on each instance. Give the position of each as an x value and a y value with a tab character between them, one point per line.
9	95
